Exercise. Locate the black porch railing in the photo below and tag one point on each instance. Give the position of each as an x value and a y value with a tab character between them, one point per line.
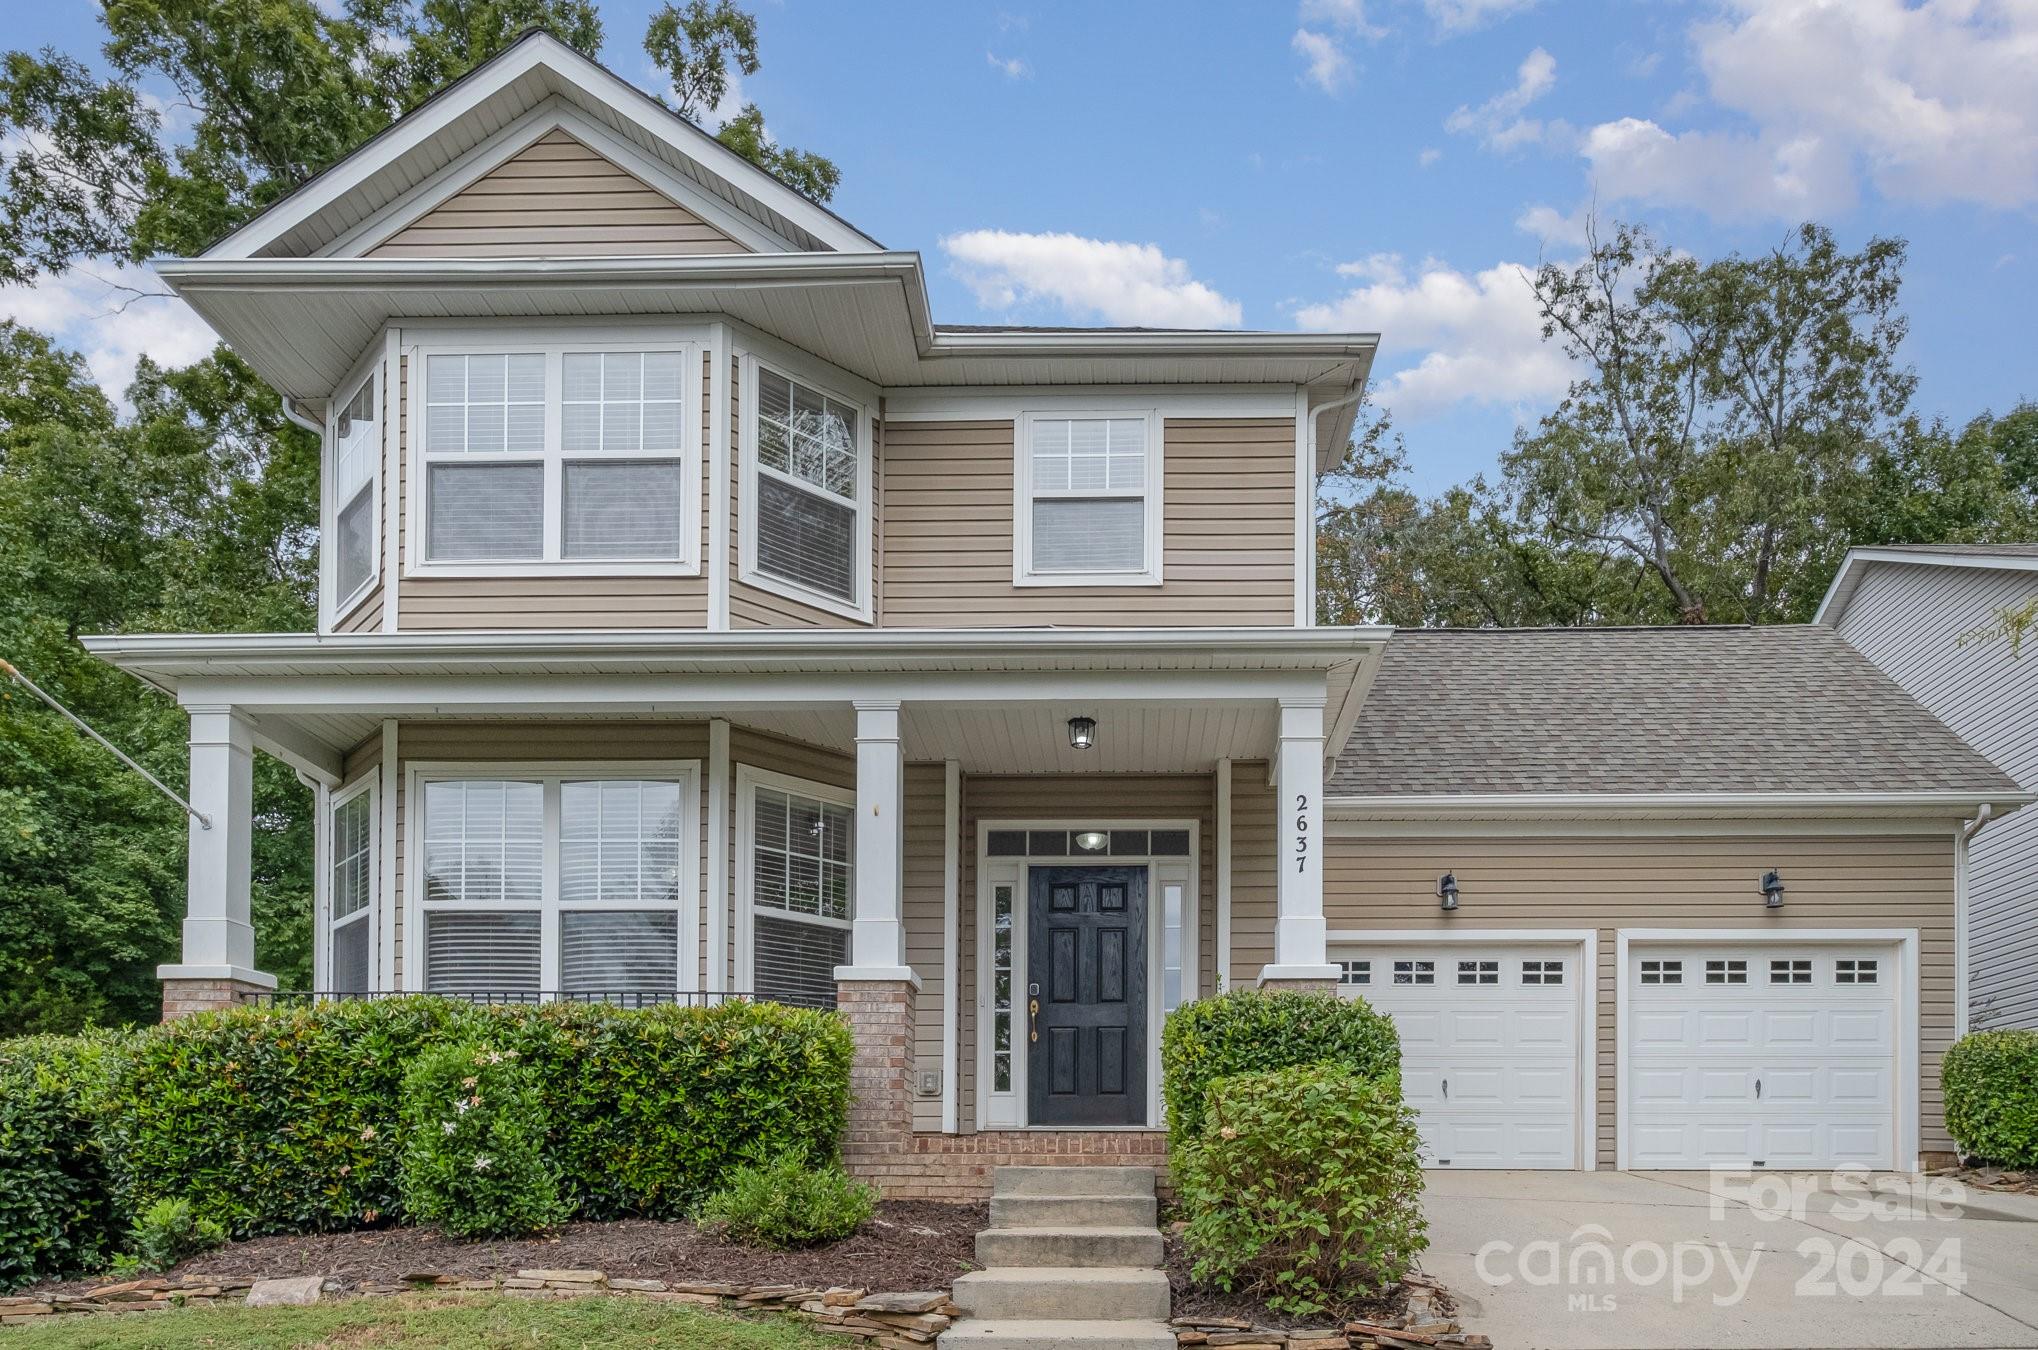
620	998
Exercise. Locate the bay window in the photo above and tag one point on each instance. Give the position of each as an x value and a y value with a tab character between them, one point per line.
798	885
1088	497
351	892
563	457
567	883
357	455
806	527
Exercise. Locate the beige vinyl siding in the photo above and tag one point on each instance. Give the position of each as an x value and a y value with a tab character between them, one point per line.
365	616
361	761
481	742
1253	883
1227	534
1079	799
774	754
1850	881
753	606
557	198
537	601
922	891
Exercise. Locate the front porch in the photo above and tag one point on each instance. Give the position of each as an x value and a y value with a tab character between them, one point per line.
898	825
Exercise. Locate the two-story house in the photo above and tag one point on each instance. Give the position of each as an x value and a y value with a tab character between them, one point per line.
700	619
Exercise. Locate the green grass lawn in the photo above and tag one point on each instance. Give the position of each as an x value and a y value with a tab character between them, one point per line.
481	1323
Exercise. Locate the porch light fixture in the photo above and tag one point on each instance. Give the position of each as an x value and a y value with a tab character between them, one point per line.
1447	890
1092	841
1772	889
1082	732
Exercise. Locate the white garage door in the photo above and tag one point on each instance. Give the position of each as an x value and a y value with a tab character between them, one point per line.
1489	1046
1761	1055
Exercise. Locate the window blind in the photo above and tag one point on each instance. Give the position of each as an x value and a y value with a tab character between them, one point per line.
619	951
623	510
482	953
1075	534
619	843
795	962
485	512
484	842
806	538
802	855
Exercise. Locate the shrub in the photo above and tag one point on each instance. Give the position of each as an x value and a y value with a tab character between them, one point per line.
169	1231
1250	1032
55	1215
474	1151
1990	1080
1303	1186
786	1203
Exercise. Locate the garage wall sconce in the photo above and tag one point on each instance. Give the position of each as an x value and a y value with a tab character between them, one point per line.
1772	889
1082	732
1447	891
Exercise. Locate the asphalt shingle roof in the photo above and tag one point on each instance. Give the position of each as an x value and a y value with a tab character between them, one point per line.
1699	709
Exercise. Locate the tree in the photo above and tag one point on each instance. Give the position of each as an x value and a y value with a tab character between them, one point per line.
1725	412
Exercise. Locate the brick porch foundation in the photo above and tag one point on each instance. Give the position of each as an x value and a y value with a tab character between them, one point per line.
958	1166
182	997
880	1018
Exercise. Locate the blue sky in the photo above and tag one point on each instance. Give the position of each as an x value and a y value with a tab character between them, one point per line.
1385	165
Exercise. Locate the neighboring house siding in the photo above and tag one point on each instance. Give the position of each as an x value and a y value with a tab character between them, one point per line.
537	601
536	742
1851	881
558	198
1911	620
1082	798
1228	531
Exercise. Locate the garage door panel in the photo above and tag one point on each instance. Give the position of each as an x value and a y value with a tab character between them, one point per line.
1552	1031
1470	1032
1873	1028
1792	1030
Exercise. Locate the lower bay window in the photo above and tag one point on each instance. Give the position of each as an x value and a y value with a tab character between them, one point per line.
796	883
568	881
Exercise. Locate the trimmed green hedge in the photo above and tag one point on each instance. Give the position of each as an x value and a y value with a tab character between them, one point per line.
281	1120
1250	1031
1991	1084
56	1214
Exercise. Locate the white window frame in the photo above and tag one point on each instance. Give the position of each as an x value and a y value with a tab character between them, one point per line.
554	457
748	780
1023	573
337	607
1007	1110
861	607
685	773
370	914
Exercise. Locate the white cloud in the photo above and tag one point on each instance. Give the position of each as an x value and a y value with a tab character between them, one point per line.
1930	102
1552	226
1461	16
1347	16
94	310
1325	64
1011	67
1430	155
1498	122
1120	283
1454	336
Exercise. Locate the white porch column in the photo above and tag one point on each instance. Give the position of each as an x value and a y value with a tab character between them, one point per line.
219	935
1301	948
878	937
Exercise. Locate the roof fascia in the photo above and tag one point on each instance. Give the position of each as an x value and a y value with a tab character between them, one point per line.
1948	804
437	115
1847	579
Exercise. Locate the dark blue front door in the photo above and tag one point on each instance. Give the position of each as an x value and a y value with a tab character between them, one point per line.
1086	996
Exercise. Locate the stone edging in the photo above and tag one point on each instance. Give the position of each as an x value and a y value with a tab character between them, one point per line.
891	1321
1419	1328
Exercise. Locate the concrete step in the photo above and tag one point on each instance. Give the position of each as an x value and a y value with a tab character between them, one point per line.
1064	1292
1060	1334
1073	1211
1072	1181
1068	1247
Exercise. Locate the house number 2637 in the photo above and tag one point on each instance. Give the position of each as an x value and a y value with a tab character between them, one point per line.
1301	832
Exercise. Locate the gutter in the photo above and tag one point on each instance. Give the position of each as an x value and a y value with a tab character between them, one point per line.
1649	805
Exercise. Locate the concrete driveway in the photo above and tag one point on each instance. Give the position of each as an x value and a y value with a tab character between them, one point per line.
1640	1260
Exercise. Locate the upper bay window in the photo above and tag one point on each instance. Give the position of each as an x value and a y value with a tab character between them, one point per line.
1088	500
357	458
567	458
806	493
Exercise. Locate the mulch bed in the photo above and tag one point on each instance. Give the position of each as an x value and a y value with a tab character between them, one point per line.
1191	1301
909	1244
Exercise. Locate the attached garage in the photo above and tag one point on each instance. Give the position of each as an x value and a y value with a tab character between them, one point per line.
1492	1031
1767	1053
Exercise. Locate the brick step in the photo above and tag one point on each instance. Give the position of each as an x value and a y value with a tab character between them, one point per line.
1136	1247
1059	1334
1094	1181
1074	1211
1063	1293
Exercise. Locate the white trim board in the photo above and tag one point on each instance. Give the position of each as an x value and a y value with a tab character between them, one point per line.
1584	940
1904	1147
1004	403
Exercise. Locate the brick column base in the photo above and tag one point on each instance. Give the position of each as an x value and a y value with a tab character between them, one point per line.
880	1018
182	997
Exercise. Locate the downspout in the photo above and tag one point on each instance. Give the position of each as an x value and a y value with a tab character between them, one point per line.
1305	489
1968	830
299	419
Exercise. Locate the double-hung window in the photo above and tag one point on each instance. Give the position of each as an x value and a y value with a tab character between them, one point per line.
350	893
806	522
557	883
799	886
1088	500
563	457
357	453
